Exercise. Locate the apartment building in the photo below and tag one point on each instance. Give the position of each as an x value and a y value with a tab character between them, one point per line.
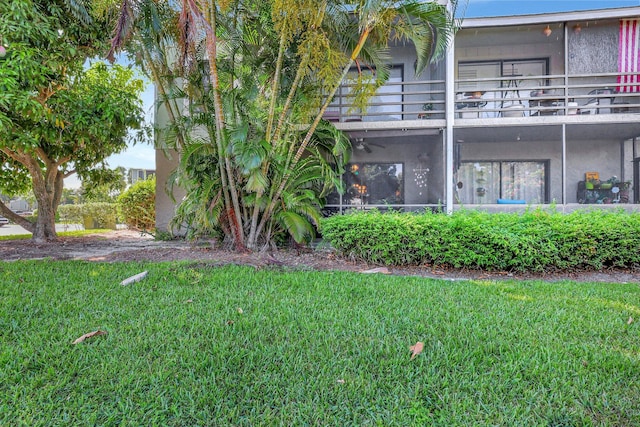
528	110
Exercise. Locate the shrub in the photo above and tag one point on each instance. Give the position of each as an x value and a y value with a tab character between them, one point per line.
536	240
71	214
91	215
138	205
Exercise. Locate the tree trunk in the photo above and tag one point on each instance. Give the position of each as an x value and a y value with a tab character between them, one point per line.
45	228
48	192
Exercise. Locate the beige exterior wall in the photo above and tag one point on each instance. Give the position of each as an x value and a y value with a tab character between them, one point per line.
165	207
166	162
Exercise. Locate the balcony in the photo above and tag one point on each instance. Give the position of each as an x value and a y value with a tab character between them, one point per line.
537	97
530	99
396	101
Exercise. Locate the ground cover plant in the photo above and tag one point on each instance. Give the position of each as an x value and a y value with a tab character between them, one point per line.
205	345
535	241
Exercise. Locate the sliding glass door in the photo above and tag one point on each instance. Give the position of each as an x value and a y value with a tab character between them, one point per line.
486	182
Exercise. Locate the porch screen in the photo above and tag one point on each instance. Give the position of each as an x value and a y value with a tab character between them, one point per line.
486	182
374	184
492	77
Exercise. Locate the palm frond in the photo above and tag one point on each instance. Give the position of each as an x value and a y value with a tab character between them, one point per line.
296	225
124	27
79	10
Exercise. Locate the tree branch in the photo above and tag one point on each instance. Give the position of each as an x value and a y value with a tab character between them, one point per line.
18	157
22	222
62	161
43	156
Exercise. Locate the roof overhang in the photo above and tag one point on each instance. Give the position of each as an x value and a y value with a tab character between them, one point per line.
549	18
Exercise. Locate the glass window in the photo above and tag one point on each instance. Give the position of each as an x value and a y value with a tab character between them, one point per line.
385	104
486	182
483	80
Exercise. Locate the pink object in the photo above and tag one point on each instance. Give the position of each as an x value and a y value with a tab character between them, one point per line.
629	56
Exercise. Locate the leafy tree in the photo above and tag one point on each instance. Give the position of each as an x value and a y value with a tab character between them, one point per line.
56	118
104	186
70	196
254	71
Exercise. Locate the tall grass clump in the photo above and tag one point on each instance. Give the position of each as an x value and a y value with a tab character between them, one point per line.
535	240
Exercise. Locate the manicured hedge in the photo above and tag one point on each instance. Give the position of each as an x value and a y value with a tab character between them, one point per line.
536	240
91	215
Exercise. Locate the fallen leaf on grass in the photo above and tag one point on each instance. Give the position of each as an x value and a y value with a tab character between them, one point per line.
416	349
89	335
630	321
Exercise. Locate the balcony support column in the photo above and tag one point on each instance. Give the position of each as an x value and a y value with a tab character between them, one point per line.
448	131
565	46
564	165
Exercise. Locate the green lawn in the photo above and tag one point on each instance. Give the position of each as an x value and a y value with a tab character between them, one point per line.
197	345
74	233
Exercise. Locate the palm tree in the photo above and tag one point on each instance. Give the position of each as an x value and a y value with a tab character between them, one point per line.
269	67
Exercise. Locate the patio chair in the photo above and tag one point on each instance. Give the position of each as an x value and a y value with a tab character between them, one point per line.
594	105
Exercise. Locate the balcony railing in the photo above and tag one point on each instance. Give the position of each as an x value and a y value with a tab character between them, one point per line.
486	98
395	101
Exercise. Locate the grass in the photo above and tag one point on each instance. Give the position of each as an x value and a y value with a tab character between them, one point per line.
74	233
203	345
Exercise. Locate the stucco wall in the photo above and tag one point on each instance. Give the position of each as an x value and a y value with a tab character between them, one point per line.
166	162
424	93
594	49
165	207
522	42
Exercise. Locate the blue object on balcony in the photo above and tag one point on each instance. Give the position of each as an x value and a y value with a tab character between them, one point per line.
511	202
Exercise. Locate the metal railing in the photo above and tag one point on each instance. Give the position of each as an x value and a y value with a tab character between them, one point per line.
486	98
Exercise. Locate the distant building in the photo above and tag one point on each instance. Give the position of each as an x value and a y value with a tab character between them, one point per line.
19	205
136	175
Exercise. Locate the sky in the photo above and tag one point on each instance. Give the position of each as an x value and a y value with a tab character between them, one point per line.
482	8
143	155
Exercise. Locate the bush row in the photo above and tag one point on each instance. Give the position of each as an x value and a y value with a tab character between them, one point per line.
91	215
135	207
536	240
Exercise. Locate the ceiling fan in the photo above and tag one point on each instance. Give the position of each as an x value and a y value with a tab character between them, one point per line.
360	145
